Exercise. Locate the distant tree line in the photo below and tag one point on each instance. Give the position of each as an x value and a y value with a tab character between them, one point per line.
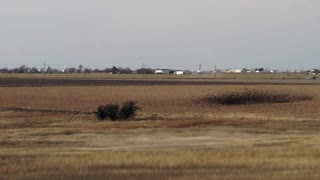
120	70
74	70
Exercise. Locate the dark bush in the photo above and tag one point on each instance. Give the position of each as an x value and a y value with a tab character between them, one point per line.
112	111
128	110
100	113
109	111
252	96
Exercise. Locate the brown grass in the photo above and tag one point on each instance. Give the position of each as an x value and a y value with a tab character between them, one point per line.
51	133
190	164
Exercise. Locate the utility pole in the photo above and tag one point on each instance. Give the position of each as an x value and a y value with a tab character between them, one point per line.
44	69
199	70
144	68
215	71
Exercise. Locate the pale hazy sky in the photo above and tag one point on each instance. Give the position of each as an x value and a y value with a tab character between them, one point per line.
161	33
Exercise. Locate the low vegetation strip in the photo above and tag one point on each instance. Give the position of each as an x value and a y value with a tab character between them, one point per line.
252	96
27	82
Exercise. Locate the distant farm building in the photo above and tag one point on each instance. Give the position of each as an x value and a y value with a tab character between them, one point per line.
179	72
314	71
169	71
164	71
234	71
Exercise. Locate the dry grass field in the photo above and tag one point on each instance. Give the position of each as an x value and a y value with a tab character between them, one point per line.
52	133
257	76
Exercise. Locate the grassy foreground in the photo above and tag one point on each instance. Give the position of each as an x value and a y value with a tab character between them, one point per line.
274	163
51	133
